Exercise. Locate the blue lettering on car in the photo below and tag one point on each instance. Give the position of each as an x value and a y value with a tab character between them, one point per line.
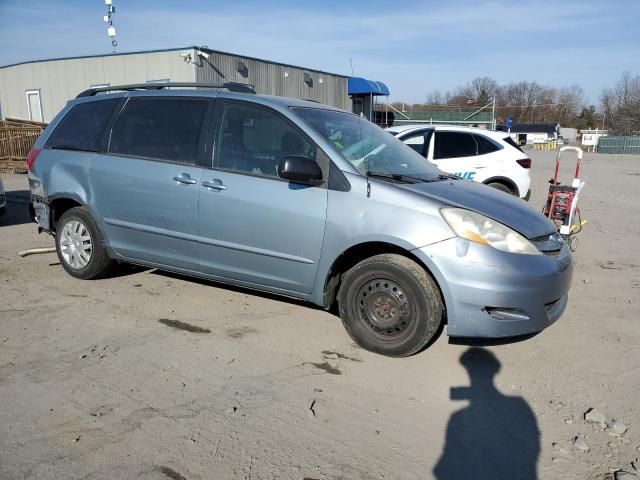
465	175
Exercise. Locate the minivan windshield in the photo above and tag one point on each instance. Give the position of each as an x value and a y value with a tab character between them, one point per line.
371	150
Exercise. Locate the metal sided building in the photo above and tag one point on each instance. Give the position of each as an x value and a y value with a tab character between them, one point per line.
38	90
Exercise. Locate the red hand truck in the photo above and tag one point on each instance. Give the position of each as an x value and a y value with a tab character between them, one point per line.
562	200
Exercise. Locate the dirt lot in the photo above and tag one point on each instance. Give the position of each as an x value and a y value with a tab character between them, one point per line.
97	382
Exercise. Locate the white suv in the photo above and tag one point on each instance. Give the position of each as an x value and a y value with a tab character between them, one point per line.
484	156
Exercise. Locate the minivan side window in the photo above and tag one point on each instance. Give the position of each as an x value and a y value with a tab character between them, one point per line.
485	145
82	126
160	128
254	140
454	144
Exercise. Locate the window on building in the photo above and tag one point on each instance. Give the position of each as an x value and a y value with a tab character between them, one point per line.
160	128
254	140
34	105
485	145
82	126
454	144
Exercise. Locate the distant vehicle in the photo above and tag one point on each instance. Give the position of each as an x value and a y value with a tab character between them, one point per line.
298	199
3	198
484	156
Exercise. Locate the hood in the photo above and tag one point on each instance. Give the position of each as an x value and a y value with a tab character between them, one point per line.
499	206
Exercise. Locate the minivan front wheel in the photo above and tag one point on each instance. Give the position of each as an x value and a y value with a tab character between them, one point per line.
390	305
79	245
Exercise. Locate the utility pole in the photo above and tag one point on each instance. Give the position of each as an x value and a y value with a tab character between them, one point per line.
493	113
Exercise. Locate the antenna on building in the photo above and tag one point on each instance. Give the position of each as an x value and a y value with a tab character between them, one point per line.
111	30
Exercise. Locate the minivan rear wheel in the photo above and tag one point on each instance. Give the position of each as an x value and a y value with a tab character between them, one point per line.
390	305
80	246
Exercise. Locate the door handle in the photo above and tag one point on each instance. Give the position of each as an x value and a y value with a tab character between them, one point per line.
184	178
214	184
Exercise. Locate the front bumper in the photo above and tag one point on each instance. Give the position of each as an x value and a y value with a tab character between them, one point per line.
493	294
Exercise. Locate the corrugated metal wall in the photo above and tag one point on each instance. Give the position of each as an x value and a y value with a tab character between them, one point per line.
274	79
60	80
619	145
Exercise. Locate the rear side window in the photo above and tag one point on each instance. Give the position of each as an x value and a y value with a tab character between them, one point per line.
510	141
485	145
454	144
160	128
82	126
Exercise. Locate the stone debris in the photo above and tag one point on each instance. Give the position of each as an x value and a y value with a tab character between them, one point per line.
580	444
595	416
622	475
616	427
560	448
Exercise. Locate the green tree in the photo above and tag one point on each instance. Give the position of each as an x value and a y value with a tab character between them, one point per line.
587	118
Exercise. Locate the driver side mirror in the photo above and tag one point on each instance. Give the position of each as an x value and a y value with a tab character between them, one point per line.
300	169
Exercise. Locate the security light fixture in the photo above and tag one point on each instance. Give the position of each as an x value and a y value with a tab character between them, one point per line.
202	54
307	79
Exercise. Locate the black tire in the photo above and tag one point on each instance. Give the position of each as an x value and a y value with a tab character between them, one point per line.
502	187
390	305
94	264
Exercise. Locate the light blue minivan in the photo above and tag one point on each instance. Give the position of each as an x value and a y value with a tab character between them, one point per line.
295	198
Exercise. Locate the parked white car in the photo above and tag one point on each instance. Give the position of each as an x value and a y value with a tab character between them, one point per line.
484	156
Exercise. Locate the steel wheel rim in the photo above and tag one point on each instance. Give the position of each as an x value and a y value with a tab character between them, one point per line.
76	244
385	309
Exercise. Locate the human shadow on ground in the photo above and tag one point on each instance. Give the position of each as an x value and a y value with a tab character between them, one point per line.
16	212
496	436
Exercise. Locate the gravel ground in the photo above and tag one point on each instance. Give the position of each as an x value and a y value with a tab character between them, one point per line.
100	380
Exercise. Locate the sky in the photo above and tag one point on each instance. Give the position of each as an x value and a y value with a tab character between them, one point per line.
413	47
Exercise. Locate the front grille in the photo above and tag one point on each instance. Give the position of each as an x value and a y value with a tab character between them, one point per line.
548	244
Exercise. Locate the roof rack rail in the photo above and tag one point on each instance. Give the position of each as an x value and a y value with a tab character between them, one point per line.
231	86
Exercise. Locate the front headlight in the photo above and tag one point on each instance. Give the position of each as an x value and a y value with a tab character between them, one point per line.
481	229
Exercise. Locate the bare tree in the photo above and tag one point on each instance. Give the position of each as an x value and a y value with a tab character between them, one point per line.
621	104
480	89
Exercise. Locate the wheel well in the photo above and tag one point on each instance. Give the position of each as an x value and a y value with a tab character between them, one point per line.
503	181
353	255
58	207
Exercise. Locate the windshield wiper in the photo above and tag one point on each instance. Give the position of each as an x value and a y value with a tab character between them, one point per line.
397	177
442	177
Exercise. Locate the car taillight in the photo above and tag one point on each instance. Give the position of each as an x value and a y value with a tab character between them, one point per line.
524	163
31	157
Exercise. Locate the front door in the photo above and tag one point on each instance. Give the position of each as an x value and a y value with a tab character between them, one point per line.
455	153
146	185
256	228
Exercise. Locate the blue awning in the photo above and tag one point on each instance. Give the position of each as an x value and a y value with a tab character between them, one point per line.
362	86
